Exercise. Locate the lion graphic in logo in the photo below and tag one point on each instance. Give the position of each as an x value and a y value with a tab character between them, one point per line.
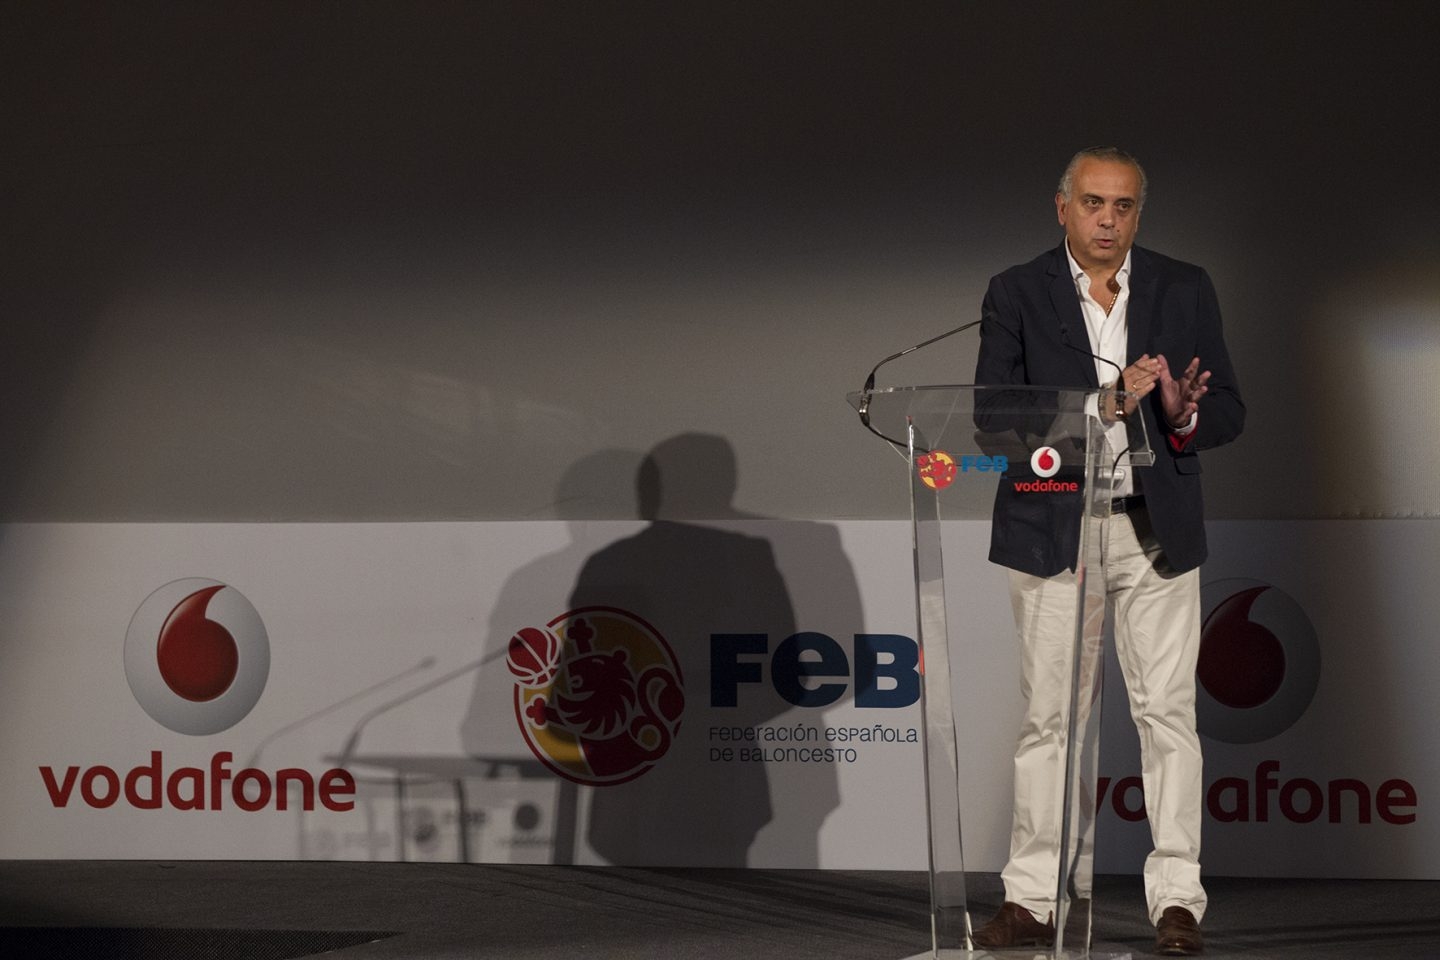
598	694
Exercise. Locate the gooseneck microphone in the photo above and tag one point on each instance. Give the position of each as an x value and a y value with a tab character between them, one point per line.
351	742
864	408
1119	385
424	664
1065	336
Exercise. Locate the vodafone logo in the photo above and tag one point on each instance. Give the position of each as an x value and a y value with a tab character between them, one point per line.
598	694
197	656
1258	672
1045	462
1259	661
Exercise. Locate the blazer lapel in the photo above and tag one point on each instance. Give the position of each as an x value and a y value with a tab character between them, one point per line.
1142	305
1070	320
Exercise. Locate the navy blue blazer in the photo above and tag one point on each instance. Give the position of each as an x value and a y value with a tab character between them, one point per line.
1033	333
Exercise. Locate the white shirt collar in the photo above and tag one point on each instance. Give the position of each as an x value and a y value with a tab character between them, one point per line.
1122	276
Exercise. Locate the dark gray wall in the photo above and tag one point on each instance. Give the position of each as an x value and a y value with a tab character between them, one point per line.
415	260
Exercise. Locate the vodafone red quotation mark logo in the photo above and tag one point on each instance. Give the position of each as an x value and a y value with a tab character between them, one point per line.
1045	462
197	656
1259	661
598	694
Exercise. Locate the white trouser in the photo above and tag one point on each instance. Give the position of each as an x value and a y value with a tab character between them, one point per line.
1156	615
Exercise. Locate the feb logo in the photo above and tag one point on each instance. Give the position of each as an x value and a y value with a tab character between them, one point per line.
936	469
1259	661
197	656
598	694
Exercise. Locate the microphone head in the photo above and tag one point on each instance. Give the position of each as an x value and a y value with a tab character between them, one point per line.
349	749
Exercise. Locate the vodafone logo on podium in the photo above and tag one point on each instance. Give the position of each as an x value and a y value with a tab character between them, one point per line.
197	656
1045	462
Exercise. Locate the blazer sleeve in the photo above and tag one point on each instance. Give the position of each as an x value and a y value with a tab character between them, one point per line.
1222	411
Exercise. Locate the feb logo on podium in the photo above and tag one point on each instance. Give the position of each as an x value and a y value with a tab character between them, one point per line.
598	694
936	469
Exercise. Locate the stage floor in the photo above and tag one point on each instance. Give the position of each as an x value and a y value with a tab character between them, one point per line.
115	910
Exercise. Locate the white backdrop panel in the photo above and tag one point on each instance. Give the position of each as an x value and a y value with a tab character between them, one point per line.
389	640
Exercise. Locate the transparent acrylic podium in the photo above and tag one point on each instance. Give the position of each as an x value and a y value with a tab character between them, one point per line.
1047	452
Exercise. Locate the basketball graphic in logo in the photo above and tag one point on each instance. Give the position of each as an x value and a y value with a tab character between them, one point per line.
598	694
534	656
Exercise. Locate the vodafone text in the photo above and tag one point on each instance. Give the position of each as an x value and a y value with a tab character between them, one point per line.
146	787
1299	800
1046	486
886	668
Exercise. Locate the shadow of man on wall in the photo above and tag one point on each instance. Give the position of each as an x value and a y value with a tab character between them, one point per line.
693	578
594	494
697	568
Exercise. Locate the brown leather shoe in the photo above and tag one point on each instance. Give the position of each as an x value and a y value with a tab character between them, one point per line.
1178	934
1014	926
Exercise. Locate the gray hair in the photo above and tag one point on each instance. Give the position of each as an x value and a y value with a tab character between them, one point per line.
1115	154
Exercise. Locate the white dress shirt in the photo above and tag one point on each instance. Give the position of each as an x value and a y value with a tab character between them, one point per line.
1108	333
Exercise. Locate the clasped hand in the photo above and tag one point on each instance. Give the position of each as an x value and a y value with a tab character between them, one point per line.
1179	396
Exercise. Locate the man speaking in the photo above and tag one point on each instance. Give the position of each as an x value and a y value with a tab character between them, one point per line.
1099	311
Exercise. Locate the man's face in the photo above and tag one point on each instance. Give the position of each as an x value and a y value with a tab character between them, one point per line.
1102	214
